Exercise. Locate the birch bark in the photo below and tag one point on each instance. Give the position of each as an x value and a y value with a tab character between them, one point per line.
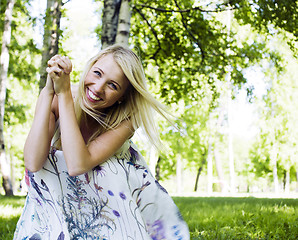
124	23
4	62
110	22
50	37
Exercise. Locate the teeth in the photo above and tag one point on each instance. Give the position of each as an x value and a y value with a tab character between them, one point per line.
95	98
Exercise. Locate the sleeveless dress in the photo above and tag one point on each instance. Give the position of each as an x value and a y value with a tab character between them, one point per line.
119	199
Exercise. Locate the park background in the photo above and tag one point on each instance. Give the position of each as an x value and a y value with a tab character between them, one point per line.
227	70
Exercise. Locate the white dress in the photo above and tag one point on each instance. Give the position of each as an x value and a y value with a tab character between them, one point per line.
119	199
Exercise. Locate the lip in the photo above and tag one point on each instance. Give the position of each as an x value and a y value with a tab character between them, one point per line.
91	95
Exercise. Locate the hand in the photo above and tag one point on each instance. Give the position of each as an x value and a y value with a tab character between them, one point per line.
59	68
49	85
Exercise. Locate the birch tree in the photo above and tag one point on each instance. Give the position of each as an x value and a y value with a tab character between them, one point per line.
187	42
123	28
110	18
4	62
115	22
51	36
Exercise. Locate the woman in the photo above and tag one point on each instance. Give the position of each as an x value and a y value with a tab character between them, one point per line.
99	186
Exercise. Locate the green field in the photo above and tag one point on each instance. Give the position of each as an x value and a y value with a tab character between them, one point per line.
208	218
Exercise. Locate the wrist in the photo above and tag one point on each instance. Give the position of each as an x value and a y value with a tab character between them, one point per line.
47	92
64	95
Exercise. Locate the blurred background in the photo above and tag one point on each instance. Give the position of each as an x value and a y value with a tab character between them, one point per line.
227	70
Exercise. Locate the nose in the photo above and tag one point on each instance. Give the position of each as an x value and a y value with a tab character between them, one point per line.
100	86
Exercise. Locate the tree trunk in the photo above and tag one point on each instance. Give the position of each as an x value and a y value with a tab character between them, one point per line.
179	173
4	62
110	22
157	169
199	172
287	181
219	170
124	23
297	181
209	169
197	177
274	161
50	38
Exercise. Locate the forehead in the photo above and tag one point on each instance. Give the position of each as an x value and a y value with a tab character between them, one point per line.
106	60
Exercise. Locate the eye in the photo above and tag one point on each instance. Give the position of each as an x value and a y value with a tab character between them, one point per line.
98	73
113	86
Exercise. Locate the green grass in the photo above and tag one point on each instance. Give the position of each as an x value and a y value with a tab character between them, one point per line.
240	218
207	218
10	211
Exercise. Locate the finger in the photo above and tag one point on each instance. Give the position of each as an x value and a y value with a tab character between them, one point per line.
53	60
54	71
52	63
66	64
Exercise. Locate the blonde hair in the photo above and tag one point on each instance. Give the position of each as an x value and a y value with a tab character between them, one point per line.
138	103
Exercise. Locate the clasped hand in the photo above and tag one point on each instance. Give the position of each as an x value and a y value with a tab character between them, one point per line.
59	68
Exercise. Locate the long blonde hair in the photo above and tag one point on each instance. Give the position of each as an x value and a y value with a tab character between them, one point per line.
138	103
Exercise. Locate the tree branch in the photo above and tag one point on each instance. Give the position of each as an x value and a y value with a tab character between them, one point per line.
66	1
190	33
152	29
186	10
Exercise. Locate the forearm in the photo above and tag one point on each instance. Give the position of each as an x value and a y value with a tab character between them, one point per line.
37	143
75	151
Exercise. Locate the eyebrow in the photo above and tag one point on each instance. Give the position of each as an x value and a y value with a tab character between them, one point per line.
99	69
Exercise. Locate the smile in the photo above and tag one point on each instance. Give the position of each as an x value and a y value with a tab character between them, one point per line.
92	96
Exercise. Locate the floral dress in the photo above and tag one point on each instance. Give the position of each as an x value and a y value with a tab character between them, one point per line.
119	199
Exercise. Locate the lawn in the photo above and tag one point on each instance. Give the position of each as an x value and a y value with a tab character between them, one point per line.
208	218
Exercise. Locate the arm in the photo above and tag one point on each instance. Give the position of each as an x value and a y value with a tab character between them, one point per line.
37	144
79	157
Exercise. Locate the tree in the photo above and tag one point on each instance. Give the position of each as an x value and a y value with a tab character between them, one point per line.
51	37
109	22
24	59
270	17
4	62
275	150
190	46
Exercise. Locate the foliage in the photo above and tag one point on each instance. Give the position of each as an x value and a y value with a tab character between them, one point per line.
244	218
270	17
196	128
278	119
191	48
22	79
196	50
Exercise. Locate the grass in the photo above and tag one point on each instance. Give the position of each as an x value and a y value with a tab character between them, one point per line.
10	211
207	218
240	218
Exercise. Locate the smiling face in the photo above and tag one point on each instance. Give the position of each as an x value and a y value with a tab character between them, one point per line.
105	83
